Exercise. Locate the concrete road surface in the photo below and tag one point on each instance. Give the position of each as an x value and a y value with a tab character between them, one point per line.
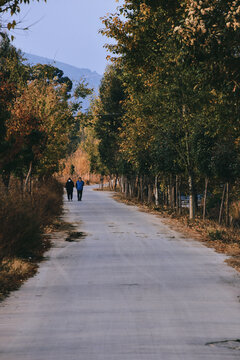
133	289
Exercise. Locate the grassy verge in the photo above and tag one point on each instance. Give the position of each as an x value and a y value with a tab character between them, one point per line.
223	240
13	272
26	220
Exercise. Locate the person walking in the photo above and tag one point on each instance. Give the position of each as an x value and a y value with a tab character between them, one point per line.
69	187
79	186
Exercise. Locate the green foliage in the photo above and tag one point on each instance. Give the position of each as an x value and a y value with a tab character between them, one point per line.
49	73
37	122
82	90
90	146
216	235
13	75
179	69
107	114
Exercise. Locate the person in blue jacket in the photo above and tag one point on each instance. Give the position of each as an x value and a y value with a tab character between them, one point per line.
79	186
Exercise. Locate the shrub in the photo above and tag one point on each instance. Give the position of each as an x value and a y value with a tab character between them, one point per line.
23	218
48	200
213	204
216	234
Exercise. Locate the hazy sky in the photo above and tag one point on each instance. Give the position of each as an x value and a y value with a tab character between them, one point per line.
67	31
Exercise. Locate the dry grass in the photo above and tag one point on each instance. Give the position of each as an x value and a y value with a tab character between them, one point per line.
235	212
59	225
223	240
234	262
25	219
13	272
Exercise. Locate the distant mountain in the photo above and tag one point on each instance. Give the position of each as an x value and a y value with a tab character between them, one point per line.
74	73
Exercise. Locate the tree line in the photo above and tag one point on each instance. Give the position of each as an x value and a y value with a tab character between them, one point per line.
40	114
37	119
166	122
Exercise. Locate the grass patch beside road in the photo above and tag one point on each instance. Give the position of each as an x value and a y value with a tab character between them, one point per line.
26	220
13	272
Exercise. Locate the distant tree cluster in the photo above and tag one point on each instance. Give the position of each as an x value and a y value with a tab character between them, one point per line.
167	116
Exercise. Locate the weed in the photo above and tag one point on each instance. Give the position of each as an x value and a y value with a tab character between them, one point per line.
216	234
12	274
73	236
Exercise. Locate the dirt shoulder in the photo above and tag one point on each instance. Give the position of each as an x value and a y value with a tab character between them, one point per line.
223	240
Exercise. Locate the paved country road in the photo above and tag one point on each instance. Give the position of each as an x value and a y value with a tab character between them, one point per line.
133	289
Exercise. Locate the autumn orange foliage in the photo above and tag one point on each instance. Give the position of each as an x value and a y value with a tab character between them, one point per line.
81	164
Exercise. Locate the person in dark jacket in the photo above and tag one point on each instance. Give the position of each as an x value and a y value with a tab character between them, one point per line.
79	186
69	187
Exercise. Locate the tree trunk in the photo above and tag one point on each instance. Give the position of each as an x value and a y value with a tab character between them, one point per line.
171	192
134	185
196	201
205	198
101	182
227	205
112	182
6	178
141	188
135	188
165	195
28	176
30	186
122	184
221	206
130	189
156	191
179	197
177	194
126	187
115	184
149	193
21	186
138	188
173	196
191	198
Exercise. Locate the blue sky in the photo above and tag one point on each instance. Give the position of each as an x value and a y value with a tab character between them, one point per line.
67	31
